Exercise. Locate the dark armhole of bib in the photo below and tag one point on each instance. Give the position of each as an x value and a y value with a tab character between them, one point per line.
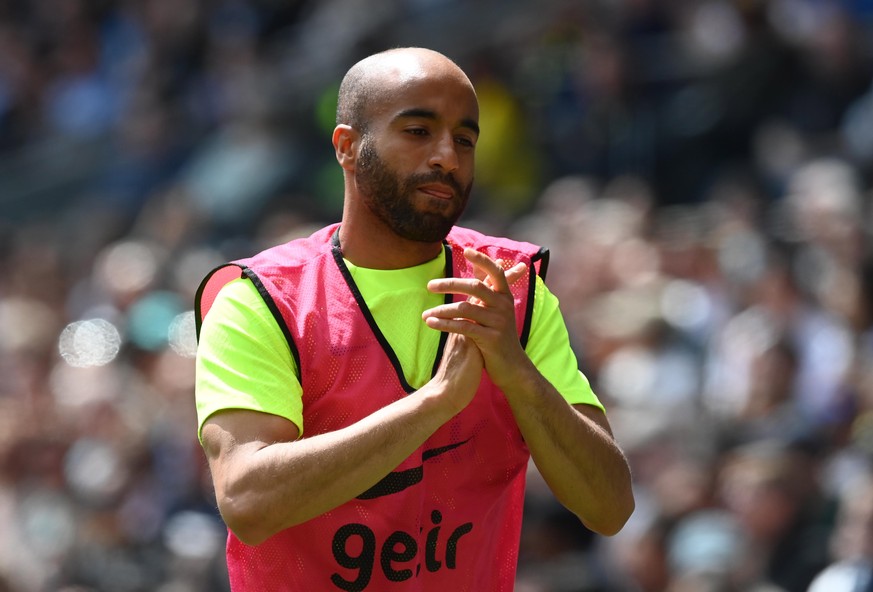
541	257
271	304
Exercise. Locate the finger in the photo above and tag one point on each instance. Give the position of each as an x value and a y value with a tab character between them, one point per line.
494	275
515	273
464	286
494	272
464	310
455	326
512	275
478	290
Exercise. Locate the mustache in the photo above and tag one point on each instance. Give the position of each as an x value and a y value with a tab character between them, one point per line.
436	177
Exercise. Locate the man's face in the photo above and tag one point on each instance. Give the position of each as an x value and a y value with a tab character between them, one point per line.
399	201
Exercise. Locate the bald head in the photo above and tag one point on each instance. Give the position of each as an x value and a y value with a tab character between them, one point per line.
378	76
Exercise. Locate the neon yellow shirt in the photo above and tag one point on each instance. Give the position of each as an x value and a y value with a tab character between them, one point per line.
244	361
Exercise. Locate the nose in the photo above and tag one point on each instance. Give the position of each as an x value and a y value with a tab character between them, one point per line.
445	155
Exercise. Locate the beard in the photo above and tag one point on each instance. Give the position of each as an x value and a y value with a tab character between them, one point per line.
392	199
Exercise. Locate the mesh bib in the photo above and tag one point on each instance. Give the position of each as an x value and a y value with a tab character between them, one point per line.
449	516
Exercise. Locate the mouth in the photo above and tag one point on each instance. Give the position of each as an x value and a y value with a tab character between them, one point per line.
438	190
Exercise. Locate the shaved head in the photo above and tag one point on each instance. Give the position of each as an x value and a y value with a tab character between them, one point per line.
379	75
406	133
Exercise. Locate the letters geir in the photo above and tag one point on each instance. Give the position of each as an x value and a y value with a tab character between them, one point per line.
355	548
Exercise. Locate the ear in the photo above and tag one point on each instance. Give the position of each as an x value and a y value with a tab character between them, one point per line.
345	144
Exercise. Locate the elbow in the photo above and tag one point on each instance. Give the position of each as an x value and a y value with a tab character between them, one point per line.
248	535
611	519
611	526
250	519
244	520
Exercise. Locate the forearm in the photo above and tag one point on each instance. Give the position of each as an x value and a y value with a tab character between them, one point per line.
574	451
264	487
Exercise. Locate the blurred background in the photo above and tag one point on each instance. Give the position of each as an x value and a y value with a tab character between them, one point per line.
700	169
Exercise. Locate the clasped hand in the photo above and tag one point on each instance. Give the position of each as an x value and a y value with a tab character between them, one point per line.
486	317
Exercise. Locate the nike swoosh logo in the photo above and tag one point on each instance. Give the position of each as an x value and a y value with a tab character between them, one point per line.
397	481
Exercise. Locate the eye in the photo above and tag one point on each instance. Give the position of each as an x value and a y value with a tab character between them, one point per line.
465	141
417	131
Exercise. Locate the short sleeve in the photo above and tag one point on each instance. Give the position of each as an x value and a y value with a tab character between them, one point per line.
549	348
243	359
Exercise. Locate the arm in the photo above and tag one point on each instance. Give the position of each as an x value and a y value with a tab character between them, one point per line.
266	480
572	446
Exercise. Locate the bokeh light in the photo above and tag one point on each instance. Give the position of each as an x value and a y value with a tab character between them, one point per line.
182	334
92	342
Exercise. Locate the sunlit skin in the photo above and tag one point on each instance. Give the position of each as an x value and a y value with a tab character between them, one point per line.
407	179
396	201
424	131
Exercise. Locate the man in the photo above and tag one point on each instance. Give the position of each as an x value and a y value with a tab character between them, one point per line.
369	397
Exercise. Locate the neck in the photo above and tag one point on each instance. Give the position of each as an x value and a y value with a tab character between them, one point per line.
375	247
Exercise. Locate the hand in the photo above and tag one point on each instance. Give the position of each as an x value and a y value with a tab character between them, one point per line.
459	372
486	317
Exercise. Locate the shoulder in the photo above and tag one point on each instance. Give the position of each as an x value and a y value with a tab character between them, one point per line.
266	269
467	237
499	247
238	307
294	253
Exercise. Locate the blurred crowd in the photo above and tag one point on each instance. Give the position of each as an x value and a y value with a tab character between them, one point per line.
701	171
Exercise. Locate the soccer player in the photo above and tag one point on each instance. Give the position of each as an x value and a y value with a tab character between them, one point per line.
369	397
